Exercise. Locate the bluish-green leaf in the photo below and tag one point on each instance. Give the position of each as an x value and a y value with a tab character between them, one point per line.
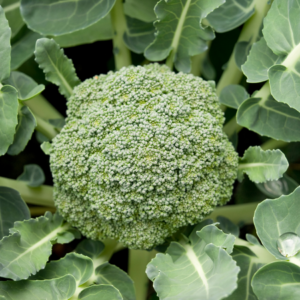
139	35
57	67
260	59
90	248
27	88
55	289
12	209
24	131
100	31
8	116
228	227
208	70
179	31
278	280
268	117
275	217
5	48
23	48
101	291
141	10
274	189
24	253
231	14
55	17
33	175
252	239
241	52
110	274
77	265
261	165
233	95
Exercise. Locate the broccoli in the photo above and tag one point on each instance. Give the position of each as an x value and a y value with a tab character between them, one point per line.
141	155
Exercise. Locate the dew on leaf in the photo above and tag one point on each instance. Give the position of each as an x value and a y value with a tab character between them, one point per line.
288	244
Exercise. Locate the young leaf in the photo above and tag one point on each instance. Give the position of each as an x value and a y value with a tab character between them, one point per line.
261	165
268	117
55	289
275	217
138	35
278	280
233	95
100	31
241	52
27	88
8	115
24	131
252	239
33	175
77	265
57	67
228	227
274	189
199	268
12	209
46	17
107	273
29	246
101	291
281	31
141	10
5	34
247	261
260	59
231	14
90	248
179	31
22	49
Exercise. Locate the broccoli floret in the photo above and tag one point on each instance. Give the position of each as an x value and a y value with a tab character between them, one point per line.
142	154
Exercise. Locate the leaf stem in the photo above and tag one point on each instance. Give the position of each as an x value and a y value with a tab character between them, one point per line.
121	52
138	261
273	144
45	128
39	211
231	127
250	33
42	195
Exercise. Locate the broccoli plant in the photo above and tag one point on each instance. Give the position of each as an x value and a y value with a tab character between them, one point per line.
171	170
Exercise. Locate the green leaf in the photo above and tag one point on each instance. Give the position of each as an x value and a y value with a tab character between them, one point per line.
57	17
268	117
33	175
23	48
252	239
141	10
12	209
100	31
278	280
8	116
208	70
241	52
262	165
13	15
179	31
24	131
231	14
281	31
90	248
55	289
228	227
57	67
27	88
274	189
102	291
260	59
247	261
5	48
24	253
46	147
275	217
233	95
138	35
199	268
77	265
110	274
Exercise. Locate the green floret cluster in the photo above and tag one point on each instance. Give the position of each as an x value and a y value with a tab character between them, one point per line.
142	154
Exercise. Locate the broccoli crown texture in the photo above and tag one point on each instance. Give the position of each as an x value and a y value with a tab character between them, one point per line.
142	154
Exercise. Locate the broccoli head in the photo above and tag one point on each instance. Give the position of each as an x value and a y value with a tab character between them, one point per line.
142	154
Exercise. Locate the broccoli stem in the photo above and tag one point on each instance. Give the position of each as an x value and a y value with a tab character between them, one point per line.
250	33
45	128
273	144
121	52
39	211
231	127
42	195
138	261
